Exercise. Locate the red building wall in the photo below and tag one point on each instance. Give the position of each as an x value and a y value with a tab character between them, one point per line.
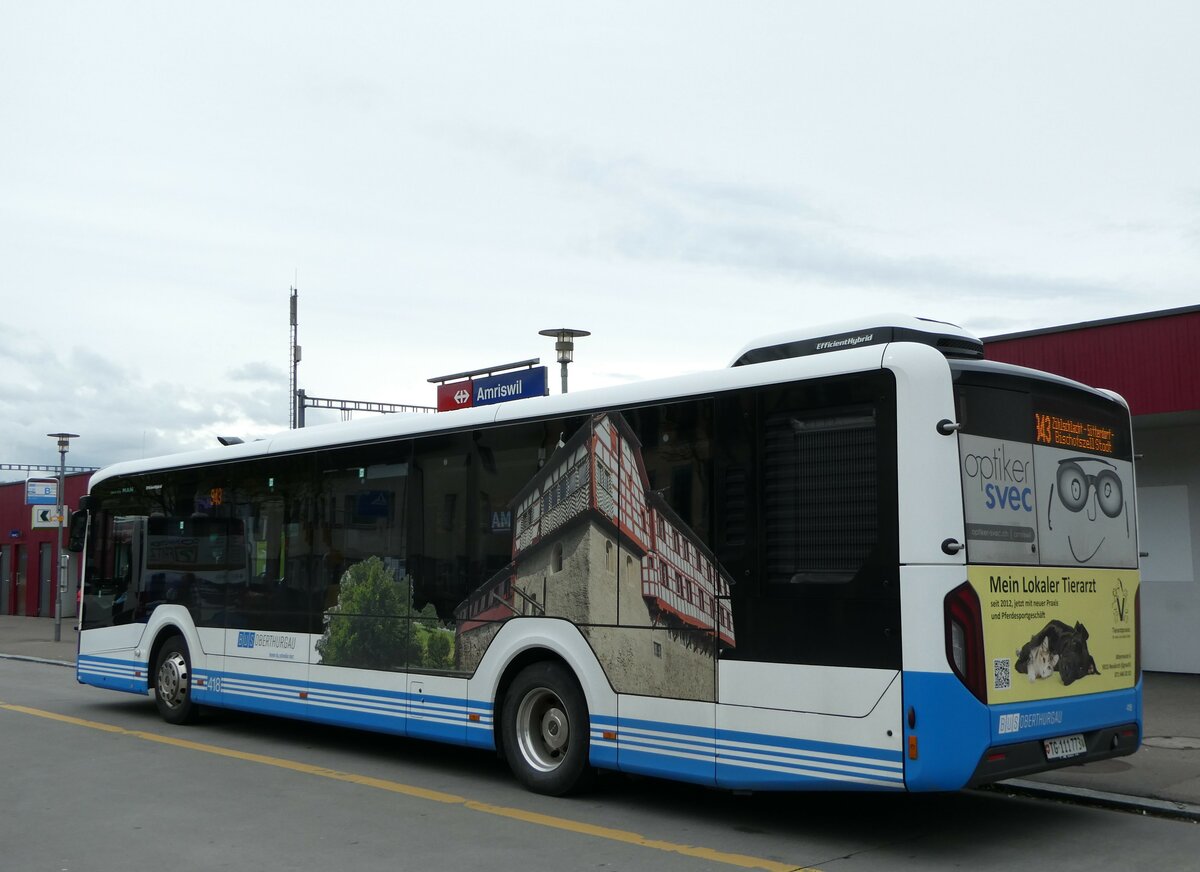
1152	360
17	535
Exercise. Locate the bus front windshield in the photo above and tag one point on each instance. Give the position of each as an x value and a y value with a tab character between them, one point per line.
138	562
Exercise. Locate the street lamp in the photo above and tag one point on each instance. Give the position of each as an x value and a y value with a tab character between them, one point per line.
64	445
565	346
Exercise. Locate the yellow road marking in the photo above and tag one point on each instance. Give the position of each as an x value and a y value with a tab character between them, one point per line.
744	861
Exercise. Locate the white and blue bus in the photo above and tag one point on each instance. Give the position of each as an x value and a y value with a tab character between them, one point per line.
855	559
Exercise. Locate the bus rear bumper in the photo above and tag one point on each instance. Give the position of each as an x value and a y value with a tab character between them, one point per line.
960	739
1026	758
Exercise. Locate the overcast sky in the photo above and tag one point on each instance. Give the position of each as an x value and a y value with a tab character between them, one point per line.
443	180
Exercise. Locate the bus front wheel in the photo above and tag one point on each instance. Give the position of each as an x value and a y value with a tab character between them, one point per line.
546	729
173	682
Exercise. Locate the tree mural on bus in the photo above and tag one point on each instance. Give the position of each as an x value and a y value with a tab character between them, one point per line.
374	624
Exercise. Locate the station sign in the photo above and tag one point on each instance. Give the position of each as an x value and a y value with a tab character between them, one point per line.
41	492
516	385
505	387
455	395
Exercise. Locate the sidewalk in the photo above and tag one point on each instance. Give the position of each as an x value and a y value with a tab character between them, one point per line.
33	639
1162	777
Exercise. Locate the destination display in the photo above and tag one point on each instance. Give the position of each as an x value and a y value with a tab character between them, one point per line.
1070	433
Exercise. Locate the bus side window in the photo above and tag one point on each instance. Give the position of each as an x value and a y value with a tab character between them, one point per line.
808	524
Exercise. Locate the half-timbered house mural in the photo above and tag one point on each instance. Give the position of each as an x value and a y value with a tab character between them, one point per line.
592	543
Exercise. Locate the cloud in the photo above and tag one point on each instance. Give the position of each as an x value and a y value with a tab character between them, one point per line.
122	413
667	215
744	227
259	371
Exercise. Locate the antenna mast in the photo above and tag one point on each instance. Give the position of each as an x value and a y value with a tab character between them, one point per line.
294	354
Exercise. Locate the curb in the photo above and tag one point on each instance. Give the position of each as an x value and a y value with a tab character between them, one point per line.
70	663
1086	796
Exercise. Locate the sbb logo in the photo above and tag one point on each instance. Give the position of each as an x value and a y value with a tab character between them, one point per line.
455	395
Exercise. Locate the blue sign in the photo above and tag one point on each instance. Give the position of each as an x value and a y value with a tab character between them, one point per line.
41	492
516	385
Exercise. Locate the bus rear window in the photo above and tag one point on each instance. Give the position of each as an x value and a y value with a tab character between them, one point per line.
1047	473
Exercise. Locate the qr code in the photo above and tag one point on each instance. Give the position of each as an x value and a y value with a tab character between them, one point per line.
1001	673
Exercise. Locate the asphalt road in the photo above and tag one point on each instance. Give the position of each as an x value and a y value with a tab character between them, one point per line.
93	781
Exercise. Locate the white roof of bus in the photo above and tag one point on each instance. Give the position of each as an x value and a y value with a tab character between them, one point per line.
392	426
384	427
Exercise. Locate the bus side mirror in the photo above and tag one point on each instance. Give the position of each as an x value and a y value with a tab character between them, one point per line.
79	522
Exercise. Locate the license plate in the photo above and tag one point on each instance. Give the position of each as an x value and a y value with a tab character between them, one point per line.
1065	746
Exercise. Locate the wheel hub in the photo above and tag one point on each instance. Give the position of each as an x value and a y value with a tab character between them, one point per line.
543	729
555	729
172	685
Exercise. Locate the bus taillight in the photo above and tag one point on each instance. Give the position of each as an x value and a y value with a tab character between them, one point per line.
964	638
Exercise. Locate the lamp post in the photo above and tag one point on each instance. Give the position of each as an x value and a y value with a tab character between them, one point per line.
64	445
565	346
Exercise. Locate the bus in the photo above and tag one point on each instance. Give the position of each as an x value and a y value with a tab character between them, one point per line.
857	558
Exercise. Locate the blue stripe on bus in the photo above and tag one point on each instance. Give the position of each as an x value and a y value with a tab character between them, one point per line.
602	751
265	705
862	752
740	759
831	763
1044	719
665	766
441	718
112	674
115	661
200	689
765	762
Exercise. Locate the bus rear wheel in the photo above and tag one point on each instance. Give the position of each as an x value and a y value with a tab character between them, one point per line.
173	682
546	730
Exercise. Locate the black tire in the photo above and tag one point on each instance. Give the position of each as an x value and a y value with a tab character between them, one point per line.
173	683
546	730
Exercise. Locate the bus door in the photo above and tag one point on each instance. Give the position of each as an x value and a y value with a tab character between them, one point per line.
808	674
265	622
